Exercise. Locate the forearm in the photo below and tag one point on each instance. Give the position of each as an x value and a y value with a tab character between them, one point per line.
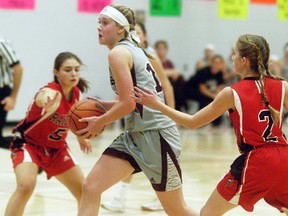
117	111
172	73
17	78
179	117
108	104
169	94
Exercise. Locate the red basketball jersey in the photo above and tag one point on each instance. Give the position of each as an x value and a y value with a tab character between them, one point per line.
251	119
50	131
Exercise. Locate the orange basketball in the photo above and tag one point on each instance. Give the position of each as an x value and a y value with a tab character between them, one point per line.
81	109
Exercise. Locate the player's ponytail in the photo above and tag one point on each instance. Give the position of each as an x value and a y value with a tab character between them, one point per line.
83	85
257	50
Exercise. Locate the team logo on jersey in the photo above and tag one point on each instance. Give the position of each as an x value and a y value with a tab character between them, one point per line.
59	119
229	182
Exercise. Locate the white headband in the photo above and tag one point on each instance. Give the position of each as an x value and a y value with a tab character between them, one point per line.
118	17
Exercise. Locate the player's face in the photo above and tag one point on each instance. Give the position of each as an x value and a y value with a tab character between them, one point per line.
108	31
69	73
217	65
237	60
161	51
141	35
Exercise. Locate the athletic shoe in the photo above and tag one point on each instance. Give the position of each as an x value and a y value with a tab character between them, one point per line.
115	205
155	205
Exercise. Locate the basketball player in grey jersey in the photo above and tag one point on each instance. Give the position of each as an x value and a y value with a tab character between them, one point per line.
151	143
117	202
143	118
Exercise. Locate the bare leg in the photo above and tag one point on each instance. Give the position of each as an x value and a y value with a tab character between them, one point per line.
128	179
106	172
216	205
26	174
73	180
285	210
174	204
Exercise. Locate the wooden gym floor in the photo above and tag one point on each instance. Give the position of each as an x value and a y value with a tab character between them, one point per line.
206	157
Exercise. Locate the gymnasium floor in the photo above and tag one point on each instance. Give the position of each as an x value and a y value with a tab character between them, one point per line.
206	156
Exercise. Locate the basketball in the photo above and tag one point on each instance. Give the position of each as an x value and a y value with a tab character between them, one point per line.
81	109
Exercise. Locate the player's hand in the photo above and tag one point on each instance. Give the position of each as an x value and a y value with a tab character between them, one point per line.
9	103
145	97
50	104
93	129
85	145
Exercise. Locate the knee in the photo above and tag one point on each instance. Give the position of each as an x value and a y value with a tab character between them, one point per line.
25	189
91	188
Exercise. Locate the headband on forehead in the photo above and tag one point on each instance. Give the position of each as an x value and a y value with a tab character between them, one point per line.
118	17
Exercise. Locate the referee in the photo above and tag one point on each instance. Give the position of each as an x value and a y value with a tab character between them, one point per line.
10	79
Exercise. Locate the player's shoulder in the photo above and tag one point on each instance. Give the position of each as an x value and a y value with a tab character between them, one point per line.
119	53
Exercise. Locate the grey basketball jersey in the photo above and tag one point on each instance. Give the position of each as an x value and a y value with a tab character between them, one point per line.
143	76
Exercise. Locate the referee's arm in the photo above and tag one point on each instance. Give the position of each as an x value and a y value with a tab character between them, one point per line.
10	55
17	78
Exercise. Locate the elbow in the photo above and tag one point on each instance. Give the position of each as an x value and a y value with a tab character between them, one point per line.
191	126
130	106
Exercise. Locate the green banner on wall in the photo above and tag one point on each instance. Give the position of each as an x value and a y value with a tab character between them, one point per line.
283	10
233	9
165	7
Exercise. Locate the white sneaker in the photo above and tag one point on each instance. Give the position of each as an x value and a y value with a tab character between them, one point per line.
155	205
115	205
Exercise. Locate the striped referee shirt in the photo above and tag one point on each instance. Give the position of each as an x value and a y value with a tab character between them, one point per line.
8	59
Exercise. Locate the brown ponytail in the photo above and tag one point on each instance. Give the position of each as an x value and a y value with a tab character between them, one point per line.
257	50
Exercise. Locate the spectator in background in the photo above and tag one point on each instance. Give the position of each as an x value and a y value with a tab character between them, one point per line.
284	62
275	66
175	77
207	59
10	79
204	86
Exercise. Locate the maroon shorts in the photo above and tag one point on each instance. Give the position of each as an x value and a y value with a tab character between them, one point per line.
260	173
52	161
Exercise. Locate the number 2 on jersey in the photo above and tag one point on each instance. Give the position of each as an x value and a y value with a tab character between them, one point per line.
264	115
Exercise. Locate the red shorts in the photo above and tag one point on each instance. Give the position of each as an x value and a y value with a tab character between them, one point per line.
262	173
52	161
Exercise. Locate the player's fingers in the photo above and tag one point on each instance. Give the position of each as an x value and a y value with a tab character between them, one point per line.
137	94
83	133
87	119
43	111
55	96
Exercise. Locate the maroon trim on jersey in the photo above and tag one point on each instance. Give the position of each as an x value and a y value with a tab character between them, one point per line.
139	107
166	149
124	156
